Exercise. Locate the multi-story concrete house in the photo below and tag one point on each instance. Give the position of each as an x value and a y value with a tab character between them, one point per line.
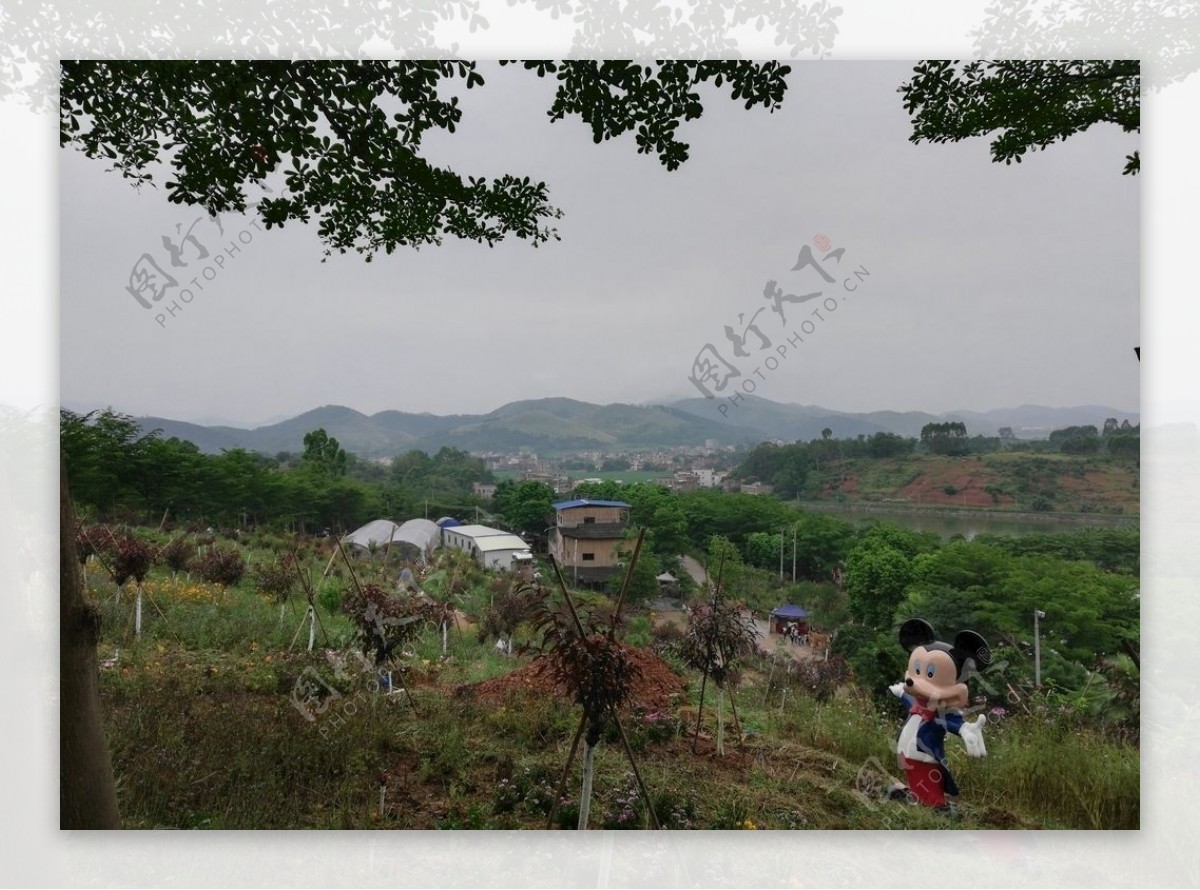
586	537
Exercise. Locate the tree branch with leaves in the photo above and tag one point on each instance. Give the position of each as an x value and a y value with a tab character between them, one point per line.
1022	104
340	142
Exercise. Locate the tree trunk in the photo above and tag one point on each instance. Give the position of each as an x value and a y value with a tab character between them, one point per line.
585	796
721	720
87	795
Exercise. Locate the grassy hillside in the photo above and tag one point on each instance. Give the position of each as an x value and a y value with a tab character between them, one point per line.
208	729
1004	480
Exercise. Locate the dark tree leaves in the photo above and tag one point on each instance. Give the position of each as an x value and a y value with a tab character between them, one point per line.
1027	104
340	142
384	622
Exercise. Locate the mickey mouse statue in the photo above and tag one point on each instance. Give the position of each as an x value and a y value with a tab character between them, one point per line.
934	691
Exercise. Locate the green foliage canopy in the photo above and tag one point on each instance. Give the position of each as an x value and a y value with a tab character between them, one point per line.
527	505
1030	104
341	142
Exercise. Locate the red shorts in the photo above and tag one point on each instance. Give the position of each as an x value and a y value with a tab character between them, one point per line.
926	781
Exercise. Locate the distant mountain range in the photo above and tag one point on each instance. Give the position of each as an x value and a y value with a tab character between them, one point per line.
558	425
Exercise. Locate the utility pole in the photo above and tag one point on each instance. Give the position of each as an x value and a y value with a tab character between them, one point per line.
793	554
781	531
1037	649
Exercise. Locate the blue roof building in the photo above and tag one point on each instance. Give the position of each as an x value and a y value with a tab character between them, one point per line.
584	502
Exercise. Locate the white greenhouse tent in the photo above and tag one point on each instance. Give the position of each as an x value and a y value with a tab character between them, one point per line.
418	534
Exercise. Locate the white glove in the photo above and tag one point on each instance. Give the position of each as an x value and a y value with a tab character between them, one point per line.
972	736
897	689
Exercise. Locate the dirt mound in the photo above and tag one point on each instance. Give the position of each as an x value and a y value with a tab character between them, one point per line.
652	689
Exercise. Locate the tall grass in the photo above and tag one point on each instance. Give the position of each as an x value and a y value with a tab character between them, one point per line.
1070	777
205	731
1077	777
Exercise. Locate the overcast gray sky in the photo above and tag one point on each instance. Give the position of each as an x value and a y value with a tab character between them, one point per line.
990	285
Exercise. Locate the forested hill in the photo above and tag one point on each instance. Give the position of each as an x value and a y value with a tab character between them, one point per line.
559	425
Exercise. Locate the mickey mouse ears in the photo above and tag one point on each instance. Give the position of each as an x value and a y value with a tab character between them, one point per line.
916	632
967	644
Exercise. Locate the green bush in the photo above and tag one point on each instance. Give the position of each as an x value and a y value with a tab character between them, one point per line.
329	596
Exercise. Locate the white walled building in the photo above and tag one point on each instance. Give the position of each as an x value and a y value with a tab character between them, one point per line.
492	548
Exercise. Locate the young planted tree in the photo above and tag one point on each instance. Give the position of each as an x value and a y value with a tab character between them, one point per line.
587	660
221	566
123	557
513	601
384	622
132	558
718	634
443	588
178	555
277	578
303	576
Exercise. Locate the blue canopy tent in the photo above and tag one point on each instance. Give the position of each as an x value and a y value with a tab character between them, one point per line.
789	614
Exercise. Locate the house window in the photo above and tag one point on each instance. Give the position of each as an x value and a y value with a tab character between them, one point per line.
588	520
589	557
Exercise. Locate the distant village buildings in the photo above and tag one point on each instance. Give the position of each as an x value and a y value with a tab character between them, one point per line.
756	488
690	480
683	468
560	482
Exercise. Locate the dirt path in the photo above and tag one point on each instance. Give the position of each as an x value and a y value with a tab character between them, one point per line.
769	643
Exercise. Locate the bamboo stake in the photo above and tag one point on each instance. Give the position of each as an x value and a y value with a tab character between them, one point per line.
637	773
163	616
321	624
567	596
700	712
299	627
720	720
708	653
349	565
329	565
305	579
737	724
562	782
637	549
770	677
